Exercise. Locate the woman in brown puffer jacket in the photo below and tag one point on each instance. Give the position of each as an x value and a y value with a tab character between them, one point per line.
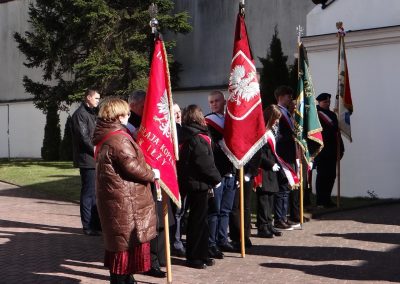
124	200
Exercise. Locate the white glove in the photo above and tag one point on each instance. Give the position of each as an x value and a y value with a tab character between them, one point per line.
218	185
246	178
156	174
276	168
310	165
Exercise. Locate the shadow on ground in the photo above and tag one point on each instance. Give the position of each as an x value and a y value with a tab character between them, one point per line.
385	214
371	265
34	257
65	189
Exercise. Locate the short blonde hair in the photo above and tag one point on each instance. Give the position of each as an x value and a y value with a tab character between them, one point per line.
111	108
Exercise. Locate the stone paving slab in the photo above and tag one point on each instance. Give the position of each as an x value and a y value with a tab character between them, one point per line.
41	242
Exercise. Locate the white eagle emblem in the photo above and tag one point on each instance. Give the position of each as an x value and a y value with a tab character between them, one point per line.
164	120
241	87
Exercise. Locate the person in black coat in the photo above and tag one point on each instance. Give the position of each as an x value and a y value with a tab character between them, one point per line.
136	102
326	160
198	174
286	149
271	176
83	125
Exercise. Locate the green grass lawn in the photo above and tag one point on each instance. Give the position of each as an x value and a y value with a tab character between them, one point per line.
54	180
60	181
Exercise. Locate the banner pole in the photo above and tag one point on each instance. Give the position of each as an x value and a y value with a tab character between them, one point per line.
166	237
338	170
338	138
242	240
301	190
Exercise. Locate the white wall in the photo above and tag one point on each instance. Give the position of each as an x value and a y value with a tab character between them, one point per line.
13	18
355	14
26	125
372	161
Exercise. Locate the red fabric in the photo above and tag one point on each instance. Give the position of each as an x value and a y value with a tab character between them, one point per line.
155	135
98	146
137	260
244	130
258	179
205	137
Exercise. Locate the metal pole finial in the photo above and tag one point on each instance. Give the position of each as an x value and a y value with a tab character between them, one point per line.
339	26
241	7
300	31
153	11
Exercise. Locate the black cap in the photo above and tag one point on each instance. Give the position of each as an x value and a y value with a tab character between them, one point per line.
323	97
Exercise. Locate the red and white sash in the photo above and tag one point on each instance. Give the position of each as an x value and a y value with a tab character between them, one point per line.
216	121
325	118
287	169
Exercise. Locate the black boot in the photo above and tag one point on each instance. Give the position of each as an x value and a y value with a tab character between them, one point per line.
264	232
274	231
119	279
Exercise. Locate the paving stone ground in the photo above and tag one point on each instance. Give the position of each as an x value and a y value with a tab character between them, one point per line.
41	242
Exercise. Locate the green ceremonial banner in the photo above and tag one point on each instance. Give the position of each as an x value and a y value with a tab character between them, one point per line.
308	130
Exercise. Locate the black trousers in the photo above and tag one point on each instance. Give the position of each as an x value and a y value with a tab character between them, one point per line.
197	227
326	175
265	207
88	209
294	205
234	217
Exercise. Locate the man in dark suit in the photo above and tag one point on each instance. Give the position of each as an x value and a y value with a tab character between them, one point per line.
286	149
83	125
326	160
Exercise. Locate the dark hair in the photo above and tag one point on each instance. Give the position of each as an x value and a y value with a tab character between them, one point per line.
193	114
136	96
271	114
89	92
283	90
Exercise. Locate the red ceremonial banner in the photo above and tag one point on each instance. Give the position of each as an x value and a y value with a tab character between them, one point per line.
244	130
157	132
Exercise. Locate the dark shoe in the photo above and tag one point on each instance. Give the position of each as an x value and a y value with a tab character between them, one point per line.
275	232
265	234
179	252
236	246
156	272
131	280
209	261
330	205
89	232
282	226
214	252
227	247
196	263
119	279
248	243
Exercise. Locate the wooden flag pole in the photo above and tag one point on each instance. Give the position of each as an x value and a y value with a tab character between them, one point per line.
242	240
299	34
338	171
301	191
338	25
166	237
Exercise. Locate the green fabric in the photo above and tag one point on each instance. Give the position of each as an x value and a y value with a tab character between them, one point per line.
308	130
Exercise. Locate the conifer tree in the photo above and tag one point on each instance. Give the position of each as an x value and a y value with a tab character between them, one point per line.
52	135
66	143
99	44
275	71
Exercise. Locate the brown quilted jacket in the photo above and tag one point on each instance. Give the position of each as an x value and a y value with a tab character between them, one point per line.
124	200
